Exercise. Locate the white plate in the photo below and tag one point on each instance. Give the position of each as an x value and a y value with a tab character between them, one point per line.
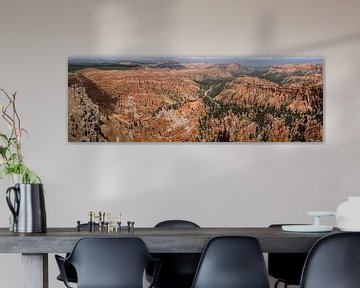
350	229
321	213
306	228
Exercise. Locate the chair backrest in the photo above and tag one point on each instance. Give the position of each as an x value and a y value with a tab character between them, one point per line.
176	224
232	262
110	262
178	269
333	262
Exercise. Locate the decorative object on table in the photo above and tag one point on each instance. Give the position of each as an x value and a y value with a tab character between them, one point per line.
78	226
12	161
131	226
316	227
102	222
348	214
195	99
28	208
27	204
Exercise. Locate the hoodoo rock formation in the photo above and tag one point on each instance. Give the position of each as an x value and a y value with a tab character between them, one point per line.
196	102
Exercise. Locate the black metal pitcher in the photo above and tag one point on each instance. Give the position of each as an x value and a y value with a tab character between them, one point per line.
28	208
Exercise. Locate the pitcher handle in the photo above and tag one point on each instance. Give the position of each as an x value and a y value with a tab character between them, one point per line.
13	208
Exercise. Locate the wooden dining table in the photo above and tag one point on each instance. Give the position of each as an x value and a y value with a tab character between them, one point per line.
35	247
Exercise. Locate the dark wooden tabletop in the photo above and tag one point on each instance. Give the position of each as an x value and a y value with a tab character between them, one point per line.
158	240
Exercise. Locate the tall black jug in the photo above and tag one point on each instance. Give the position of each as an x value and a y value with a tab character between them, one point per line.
28	207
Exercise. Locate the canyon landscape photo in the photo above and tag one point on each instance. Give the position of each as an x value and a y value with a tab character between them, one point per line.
195	99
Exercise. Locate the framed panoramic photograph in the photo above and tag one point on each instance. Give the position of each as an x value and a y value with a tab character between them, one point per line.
195	99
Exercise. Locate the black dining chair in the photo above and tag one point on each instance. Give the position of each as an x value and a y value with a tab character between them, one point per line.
286	267
70	271
108	263
232	262
178	269
333	262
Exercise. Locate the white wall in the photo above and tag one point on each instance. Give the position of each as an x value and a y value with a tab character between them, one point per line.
212	184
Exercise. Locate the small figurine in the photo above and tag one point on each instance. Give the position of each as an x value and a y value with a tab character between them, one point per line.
78	226
130	226
90	221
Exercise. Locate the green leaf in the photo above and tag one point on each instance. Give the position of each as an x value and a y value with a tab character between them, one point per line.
4	137
27	133
13	156
27	175
15	169
33	178
4	173
3	151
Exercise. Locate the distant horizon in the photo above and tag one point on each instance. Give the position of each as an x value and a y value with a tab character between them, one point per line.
242	60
